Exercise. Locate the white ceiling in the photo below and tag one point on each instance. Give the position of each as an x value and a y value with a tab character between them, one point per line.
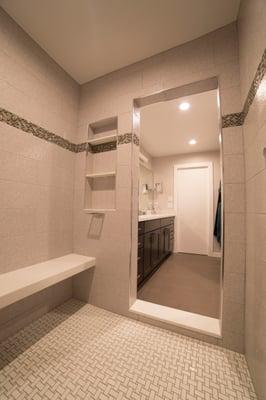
165	129
90	38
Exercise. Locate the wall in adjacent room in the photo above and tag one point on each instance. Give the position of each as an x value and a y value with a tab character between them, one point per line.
215	54
36	177
163	168
252	39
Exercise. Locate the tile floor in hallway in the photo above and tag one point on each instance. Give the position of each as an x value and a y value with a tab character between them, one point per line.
186	282
78	351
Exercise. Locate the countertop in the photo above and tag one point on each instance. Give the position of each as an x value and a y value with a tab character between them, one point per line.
154	216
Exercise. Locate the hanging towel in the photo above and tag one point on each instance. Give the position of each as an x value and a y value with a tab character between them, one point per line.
218	218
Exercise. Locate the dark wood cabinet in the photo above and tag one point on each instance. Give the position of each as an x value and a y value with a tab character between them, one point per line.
155	243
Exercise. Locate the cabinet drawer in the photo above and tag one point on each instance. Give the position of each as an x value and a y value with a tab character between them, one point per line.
140	228
152	225
167	221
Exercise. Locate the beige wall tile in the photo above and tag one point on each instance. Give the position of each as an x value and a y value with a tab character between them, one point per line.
234	227
234	257
36	88
233	289
233	166
37	177
252	36
213	55
232	140
234	197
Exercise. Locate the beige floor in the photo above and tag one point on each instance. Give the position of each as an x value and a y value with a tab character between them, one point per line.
79	351
187	282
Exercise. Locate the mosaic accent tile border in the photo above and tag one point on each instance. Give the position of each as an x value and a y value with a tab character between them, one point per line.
135	139
29	127
128	138
124	139
235	119
100	148
229	120
255	85
238	119
81	147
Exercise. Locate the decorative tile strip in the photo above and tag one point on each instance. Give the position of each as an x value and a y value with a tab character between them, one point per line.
81	147
235	119
238	119
135	139
125	138
100	148
261	70
29	127
229	120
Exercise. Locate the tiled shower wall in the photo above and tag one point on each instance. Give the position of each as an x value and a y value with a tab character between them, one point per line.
215	54
36	177
252	37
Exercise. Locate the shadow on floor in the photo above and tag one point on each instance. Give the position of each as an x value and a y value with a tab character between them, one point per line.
31	334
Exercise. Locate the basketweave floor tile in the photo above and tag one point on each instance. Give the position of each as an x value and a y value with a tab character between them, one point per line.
79	351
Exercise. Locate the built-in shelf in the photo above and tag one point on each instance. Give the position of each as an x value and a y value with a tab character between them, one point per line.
104	139
101	174
100	187
98	210
103	126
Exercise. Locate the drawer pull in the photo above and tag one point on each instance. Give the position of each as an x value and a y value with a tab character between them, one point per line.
139	258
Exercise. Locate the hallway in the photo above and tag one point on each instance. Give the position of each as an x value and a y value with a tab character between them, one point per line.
187	282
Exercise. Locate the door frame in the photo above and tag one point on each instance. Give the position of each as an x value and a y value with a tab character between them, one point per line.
209	166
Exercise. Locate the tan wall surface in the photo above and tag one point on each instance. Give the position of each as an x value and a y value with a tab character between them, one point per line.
215	54
36	177
252	36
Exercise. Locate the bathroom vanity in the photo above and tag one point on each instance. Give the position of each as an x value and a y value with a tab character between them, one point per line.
155	243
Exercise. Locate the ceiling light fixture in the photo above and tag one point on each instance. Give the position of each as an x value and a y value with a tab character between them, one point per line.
192	141
184	106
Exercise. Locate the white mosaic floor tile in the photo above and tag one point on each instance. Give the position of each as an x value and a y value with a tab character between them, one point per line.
79	351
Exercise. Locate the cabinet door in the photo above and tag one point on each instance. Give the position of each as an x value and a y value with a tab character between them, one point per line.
147	254
162	251
140	265
151	251
155	248
167	240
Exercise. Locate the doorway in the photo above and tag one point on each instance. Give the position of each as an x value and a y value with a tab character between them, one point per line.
193	184
179	254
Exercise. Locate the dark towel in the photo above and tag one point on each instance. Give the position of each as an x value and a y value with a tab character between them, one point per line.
218	218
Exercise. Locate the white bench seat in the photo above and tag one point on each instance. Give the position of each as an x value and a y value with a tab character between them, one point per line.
23	282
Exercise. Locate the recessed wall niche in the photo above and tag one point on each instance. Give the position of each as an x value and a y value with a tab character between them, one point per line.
100	174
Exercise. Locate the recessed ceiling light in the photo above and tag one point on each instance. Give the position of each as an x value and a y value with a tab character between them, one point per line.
184	106
192	141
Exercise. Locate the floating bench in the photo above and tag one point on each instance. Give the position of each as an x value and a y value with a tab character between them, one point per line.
16	285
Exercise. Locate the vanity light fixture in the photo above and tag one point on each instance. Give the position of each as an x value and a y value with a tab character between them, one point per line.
192	141
184	106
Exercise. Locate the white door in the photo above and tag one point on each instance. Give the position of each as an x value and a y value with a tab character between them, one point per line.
193	207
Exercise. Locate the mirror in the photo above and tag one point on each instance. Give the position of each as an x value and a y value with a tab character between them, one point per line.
180	204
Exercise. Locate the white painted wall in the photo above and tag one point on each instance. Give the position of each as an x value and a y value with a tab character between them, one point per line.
163	168
192	202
